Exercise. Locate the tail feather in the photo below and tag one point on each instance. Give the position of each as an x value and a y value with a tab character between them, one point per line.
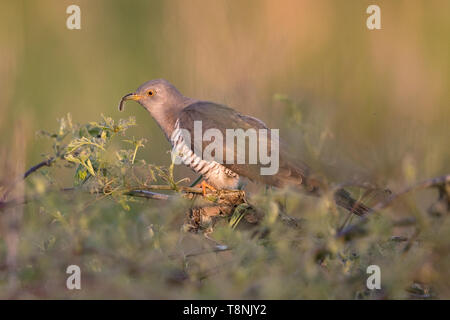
343	199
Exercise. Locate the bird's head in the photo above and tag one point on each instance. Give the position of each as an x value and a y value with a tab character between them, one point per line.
154	95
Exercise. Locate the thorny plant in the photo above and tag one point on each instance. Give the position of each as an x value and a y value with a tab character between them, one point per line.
100	166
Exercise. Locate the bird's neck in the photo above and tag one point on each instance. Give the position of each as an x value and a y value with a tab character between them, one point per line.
167	115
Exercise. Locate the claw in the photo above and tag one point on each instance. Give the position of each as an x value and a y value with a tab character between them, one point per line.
205	186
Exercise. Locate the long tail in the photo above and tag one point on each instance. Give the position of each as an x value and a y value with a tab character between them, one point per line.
343	199
293	175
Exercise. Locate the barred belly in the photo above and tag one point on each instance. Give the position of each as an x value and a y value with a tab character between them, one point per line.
216	174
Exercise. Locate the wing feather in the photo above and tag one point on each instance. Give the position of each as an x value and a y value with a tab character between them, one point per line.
222	117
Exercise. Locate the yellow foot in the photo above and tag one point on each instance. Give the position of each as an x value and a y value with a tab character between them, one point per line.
205	186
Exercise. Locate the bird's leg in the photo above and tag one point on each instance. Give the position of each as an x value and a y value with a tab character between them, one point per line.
205	186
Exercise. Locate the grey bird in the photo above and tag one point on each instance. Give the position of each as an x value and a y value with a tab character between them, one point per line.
173	112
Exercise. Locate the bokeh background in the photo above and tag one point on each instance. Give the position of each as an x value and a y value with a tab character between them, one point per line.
373	104
376	89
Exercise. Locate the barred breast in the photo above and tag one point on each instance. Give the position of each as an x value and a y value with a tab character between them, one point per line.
216	174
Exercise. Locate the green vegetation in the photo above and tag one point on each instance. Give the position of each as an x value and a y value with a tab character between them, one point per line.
128	247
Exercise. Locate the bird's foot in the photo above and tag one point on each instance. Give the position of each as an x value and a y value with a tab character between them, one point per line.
205	186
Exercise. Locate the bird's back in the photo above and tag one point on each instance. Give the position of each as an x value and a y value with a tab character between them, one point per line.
291	172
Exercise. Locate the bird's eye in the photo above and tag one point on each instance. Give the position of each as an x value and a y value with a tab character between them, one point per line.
151	93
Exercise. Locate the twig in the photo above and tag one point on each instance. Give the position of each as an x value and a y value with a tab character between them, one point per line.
142	192
435	182
216	249
45	163
148	195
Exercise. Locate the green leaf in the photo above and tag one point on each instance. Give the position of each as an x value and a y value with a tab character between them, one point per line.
71	158
94	131
238	214
80	175
89	167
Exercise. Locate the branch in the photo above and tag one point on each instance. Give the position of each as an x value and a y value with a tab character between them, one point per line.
148	195
45	163
144	192
437	182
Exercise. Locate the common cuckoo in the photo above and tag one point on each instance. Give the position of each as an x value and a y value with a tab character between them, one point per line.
173	112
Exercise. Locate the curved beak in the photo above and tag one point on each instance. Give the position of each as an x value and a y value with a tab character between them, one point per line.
130	96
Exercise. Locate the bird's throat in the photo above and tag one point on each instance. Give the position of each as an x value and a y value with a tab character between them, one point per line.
166	116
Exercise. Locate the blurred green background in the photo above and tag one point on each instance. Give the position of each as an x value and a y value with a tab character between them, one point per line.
383	93
373	104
